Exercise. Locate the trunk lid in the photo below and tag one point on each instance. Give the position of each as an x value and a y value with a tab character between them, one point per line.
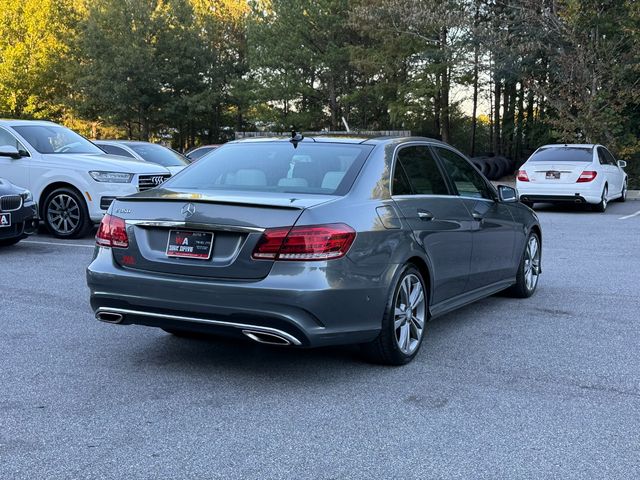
235	220
546	172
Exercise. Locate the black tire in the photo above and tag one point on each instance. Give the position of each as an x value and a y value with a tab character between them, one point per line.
61	202
602	206
494	169
522	288
9	242
623	196
385	349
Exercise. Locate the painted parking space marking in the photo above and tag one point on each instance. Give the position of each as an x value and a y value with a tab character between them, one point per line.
630	216
36	242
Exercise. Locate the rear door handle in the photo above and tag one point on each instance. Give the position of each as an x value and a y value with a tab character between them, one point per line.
425	215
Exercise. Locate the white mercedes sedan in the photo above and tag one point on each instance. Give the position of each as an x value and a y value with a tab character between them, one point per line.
585	174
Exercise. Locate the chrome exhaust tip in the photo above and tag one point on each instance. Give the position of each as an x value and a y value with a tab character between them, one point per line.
264	337
109	317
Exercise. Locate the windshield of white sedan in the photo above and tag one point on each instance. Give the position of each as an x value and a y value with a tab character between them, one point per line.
562	154
55	139
276	167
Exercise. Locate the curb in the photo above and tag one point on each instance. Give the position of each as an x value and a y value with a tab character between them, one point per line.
633	194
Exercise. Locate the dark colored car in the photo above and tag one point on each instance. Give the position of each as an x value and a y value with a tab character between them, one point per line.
199	152
322	241
18	213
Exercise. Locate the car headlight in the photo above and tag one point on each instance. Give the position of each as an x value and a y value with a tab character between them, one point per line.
27	196
111	177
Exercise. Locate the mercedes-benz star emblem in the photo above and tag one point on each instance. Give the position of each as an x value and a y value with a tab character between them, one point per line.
188	210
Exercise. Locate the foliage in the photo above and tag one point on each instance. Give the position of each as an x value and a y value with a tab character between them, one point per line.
196	70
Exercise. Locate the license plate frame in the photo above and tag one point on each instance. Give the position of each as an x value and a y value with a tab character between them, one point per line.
193	244
552	175
5	220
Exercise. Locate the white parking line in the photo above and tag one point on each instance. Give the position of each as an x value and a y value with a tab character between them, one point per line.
629	216
58	244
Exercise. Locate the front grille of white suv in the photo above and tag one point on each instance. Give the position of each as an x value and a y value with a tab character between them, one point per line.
145	182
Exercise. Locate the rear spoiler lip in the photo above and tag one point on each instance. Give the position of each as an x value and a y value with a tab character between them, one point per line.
211	199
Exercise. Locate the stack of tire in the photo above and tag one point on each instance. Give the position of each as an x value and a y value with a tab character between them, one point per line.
494	167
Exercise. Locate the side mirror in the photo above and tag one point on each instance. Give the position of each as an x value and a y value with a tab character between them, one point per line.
9	151
507	194
622	164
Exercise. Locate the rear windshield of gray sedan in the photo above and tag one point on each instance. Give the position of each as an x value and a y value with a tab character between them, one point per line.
319	168
562	154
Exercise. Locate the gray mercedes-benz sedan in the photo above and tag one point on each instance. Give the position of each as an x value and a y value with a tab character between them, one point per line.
315	241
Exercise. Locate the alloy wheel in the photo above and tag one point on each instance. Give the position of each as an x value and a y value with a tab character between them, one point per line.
532	263
409	314
63	214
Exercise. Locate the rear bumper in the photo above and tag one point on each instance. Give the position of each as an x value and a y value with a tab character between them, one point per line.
569	192
310	304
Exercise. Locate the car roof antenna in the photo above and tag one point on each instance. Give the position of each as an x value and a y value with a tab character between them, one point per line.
296	137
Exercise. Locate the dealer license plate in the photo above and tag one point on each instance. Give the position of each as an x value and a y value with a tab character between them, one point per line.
185	244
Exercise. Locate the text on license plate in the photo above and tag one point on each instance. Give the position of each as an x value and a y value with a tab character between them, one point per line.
5	220
553	175
187	244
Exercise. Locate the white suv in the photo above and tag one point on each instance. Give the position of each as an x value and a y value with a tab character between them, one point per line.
73	181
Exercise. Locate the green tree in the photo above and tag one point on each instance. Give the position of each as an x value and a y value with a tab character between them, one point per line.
35	46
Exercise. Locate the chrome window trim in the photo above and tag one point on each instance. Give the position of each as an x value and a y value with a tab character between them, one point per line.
414	143
194	226
207	321
424	195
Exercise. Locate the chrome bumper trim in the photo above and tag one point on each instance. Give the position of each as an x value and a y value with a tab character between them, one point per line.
195	226
206	321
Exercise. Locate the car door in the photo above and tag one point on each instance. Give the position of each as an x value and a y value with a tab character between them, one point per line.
439	220
494	229
617	175
610	171
16	170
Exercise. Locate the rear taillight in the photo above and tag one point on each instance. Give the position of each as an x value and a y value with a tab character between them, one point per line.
112	232
587	176
522	176
313	242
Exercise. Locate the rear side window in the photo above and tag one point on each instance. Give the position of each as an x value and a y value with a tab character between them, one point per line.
321	168
608	156
562	154
417	173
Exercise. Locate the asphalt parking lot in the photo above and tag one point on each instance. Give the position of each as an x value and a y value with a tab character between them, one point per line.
547	387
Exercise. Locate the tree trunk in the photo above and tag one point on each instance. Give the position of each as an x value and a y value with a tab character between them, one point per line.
446	86
474	114
519	123
437	105
333	104
497	90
